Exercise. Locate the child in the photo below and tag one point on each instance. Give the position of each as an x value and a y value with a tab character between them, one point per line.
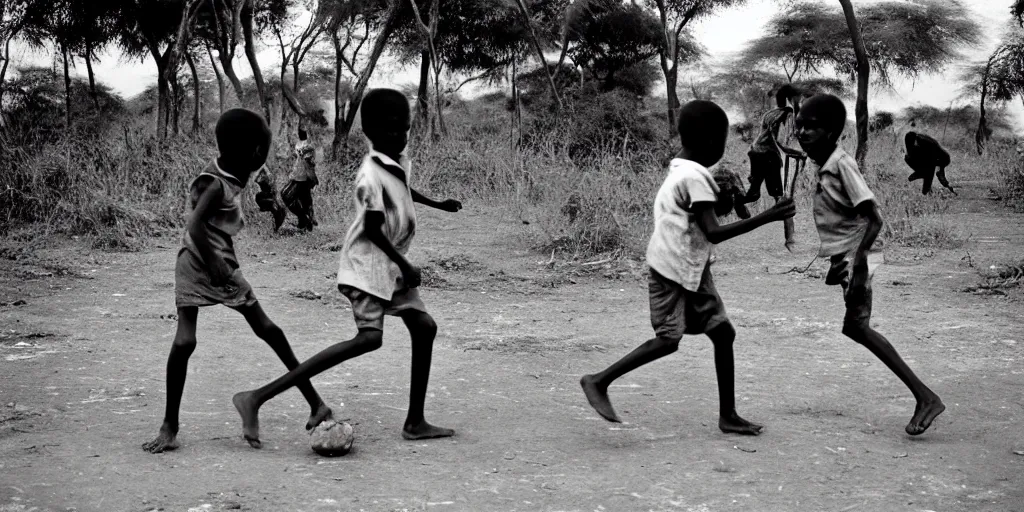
682	292
924	154
764	154
298	193
266	198
848	223
374	274
207	270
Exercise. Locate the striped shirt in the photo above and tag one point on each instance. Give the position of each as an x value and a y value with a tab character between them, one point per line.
770	124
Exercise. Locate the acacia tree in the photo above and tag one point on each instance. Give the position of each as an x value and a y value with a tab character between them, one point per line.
14	17
676	46
294	52
998	79
162	28
220	25
888	39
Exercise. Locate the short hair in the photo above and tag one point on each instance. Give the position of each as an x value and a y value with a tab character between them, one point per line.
381	103
702	124
302	134
239	130
829	110
784	93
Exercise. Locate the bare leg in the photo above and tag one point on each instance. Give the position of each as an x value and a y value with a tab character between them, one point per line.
269	332
177	367
422	330
248	402
595	386
929	405
729	421
941	174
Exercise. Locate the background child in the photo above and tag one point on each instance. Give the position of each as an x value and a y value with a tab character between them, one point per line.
207	270
374	274
682	292
848	223
266	198
298	193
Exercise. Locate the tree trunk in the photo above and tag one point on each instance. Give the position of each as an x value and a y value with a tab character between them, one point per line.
337	92
423	94
981	135
176	97
250	54
388	26
163	99
92	77
221	88
863	75
673	100
540	52
67	87
3	69
196	106
229	71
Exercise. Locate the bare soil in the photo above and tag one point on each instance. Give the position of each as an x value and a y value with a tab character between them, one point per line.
84	337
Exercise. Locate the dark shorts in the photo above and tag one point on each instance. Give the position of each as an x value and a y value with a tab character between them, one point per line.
369	310
676	311
192	285
841	272
767	168
298	196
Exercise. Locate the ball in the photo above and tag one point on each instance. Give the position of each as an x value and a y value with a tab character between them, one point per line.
331	438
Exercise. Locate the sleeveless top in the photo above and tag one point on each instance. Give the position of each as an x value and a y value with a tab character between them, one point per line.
226	219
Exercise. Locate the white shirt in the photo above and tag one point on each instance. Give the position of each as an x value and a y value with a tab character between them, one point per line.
364	266
678	249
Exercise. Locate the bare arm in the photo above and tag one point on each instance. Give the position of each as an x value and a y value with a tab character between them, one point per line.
373	224
448	205
869	210
716	233
199	231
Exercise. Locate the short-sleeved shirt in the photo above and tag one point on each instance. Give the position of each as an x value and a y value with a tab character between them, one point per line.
381	185
771	122
840	189
302	170
678	249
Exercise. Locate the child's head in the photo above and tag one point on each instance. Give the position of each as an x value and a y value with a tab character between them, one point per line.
243	139
787	93
820	123
730	191
703	128
386	122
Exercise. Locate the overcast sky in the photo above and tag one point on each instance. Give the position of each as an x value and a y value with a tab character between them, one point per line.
723	35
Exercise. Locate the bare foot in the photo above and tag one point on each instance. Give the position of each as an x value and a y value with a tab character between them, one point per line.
316	417
734	424
250	414
425	430
925	412
598	398
166	440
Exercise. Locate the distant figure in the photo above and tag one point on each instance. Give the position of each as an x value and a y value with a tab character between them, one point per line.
924	154
266	198
298	193
848	222
683	297
766	152
207	271
374	273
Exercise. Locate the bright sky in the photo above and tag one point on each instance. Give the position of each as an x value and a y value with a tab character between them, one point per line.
723	35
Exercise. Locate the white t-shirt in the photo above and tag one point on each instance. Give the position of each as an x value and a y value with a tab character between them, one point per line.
841	188
364	266
678	249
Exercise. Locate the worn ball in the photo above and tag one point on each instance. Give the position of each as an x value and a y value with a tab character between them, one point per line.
331	438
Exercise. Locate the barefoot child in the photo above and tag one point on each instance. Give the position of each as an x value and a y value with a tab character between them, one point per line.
374	274
682	292
848	223
207	270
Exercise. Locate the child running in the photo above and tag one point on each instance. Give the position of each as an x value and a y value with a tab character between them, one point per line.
848	223
682	292
207	270
374	273
298	193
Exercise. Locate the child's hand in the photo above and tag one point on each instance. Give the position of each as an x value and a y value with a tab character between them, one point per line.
411	275
450	205
782	210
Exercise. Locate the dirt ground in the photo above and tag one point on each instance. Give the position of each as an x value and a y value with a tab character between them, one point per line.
84	337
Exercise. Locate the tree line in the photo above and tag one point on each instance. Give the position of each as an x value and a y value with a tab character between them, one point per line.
817	44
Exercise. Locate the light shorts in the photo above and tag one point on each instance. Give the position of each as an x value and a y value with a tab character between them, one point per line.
369	310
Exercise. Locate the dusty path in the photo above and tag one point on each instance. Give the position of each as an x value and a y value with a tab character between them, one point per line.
81	385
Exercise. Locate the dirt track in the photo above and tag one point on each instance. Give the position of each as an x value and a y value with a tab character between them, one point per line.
83	369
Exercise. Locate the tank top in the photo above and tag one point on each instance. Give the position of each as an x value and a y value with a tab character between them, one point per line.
226	219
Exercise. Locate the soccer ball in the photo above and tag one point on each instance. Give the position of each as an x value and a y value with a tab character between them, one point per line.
331	438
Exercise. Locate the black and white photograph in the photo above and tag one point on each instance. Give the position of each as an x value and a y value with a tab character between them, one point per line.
475	255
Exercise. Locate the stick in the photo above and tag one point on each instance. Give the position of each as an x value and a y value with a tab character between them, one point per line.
787	225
